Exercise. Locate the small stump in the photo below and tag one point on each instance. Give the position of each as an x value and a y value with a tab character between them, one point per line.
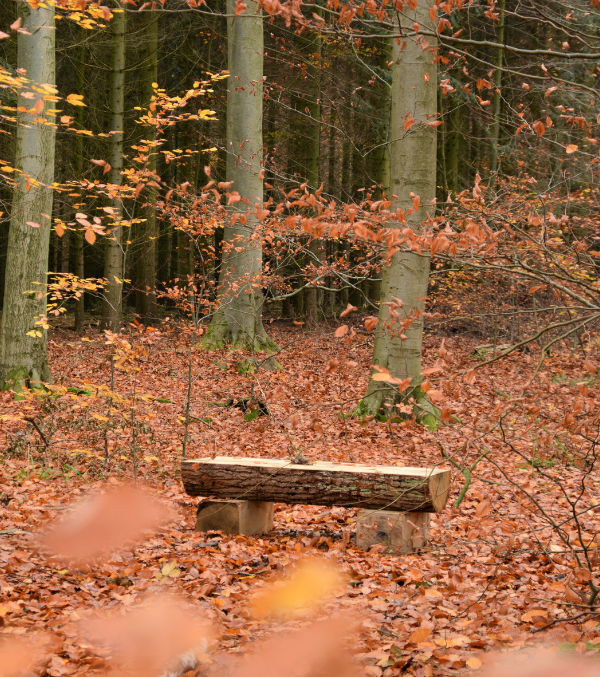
246	518
400	532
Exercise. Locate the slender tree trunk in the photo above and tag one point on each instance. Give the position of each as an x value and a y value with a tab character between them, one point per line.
78	264
112	307
146	265
382	154
453	136
312	165
346	154
238	320
497	102
413	170
23	338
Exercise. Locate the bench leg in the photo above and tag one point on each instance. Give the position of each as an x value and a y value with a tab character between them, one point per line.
247	518
400	532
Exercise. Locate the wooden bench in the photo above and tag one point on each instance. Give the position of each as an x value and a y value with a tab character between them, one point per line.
394	501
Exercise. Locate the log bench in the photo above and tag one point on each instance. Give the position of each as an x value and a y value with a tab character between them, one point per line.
394	501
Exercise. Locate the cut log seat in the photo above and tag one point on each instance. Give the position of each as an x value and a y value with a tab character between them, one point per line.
350	485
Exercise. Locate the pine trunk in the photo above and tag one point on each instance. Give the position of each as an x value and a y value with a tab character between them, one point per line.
312	165
495	128
382	154
145	297
112	307
23	341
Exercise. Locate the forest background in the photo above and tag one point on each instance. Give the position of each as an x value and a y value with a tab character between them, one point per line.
355	232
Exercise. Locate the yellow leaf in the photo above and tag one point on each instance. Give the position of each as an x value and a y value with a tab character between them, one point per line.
308	586
75	99
382	377
474	663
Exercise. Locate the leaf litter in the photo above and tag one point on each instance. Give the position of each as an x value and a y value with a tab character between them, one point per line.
494	579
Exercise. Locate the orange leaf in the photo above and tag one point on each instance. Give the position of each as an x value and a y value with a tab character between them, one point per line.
483	508
341	331
571	148
349	309
539	127
474	663
371	323
419	635
90	236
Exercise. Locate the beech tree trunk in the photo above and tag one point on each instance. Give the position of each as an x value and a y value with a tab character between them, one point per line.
23	339
413	170
322	483
145	297
112	306
238	320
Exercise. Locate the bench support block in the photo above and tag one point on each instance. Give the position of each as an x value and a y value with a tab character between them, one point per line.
247	518
400	532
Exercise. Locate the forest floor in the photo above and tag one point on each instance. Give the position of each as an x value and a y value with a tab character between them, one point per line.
493	579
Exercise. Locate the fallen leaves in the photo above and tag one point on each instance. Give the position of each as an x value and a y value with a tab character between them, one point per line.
310	585
103	522
149	638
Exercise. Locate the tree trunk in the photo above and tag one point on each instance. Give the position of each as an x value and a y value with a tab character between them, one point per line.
320	483
413	170
382	154
145	297
312	165
453	135
495	128
238	319
78	263
112	306
23	340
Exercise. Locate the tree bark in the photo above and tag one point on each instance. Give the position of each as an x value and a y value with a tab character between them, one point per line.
413	170
145	297
344	484
313	144
23	342
78	263
453	136
382	154
495	128
238	319
112	306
